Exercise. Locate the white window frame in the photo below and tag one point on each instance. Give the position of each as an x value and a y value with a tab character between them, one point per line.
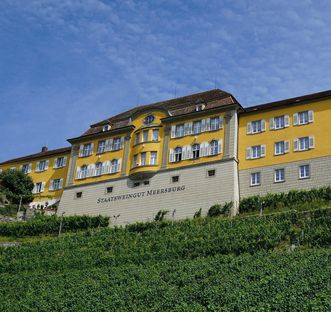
56	184
98	169
179	130
116	144
255	179
137	138
153	158
282	150
143	159
101	146
25	168
196	151
145	136
303	118
114	165
197	127
155	135
41	166
305	176
279	125
214	147
178	154
215	123
279	175
303	144
38	187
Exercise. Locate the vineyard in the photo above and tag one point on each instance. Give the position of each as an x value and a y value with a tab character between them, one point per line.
279	262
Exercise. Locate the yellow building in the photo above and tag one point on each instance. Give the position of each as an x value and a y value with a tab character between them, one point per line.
185	154
48	170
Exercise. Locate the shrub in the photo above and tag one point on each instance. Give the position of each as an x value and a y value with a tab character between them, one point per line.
291	199
160	215
217	210
197	214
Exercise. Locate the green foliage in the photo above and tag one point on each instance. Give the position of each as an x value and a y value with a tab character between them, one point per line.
290	199
50	225
218	210
160	215
9	210
204	264
15	184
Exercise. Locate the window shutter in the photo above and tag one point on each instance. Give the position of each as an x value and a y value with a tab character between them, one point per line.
109	145
34	189
248	153
208	124
173	131
184	152
64	161
272	123
21	167
171	155
311	116
78	173
190	127
92	148
286	121
55	163
220	146
61	184
30	168
189	152
42	187
203	125
296	145
46	164
249	128
275	149
311	142
81	150
122	142
208	149
186	128
37	166
263	150
263	125
221	122
51	185
295	119
119	164
286	146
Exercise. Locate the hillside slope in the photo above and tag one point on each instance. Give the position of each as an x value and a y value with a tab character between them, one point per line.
198	265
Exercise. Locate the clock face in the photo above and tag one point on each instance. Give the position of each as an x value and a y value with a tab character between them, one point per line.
149	119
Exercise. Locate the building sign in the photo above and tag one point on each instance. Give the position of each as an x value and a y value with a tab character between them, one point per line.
167	190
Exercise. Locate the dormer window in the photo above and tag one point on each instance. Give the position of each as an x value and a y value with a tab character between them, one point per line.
106	128
200	107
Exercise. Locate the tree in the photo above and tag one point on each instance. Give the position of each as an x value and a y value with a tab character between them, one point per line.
15	184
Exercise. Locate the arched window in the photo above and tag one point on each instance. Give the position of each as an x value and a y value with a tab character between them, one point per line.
196	150
214	147
178	153
98	169
83	171
114	165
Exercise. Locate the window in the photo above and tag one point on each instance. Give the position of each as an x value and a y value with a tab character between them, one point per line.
256	126
303	118
39	187
83	172
211	173
135	160
106	128
175	179
109	189
116	144
149	119
98	169
101	147
304	172
303	144
79	194
179	131
197	127
60	162
145	136
57	184
214	147
137	139
178	154
255	178
143	159
196	151
214	123
87	150
26	168
153	158
279	175
199	107
146	182
136	184
115	166
256	151
279	122
41	165
155	135
280	148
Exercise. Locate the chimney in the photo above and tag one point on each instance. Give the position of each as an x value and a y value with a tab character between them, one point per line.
44	149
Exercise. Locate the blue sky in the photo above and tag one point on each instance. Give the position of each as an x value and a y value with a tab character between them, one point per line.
66	64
